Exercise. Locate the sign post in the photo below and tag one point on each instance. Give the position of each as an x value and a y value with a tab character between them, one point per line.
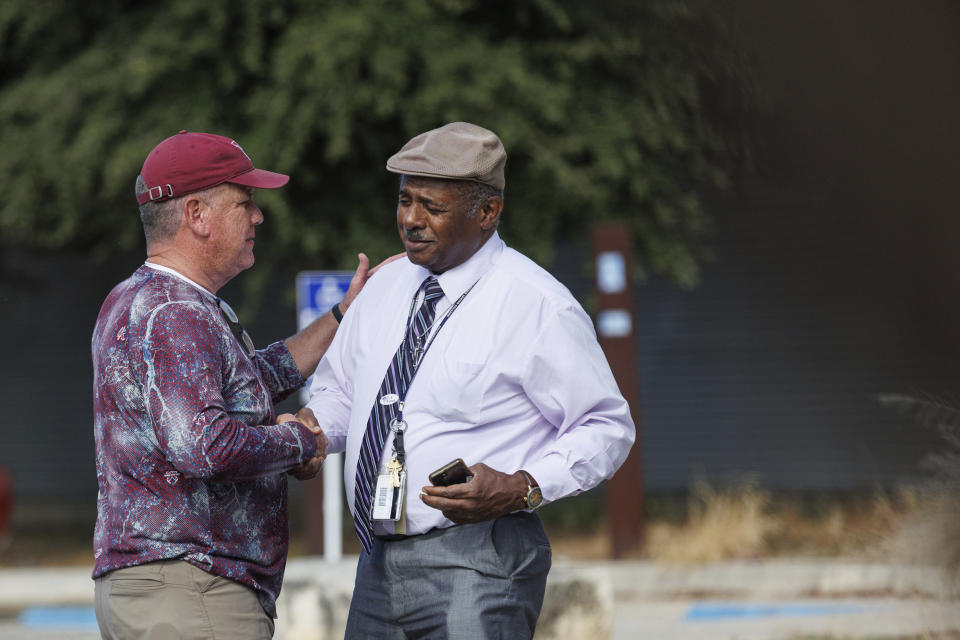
317	292
611	245
6	507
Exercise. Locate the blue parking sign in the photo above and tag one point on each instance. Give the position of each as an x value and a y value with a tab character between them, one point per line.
317	291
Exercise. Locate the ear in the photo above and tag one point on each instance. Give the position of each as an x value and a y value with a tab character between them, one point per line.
196	216
489	213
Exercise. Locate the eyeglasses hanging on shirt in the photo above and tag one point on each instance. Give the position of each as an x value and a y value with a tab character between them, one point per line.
236	329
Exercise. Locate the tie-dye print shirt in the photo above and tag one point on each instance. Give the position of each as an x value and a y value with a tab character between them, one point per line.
189	462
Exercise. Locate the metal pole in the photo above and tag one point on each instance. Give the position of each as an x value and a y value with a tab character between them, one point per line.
314	504
317	291
333	507
323	506
615	330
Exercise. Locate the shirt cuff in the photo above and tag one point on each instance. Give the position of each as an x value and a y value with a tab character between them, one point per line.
308	441
554	477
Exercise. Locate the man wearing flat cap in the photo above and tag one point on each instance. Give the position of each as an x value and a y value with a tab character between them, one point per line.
466	349
191	532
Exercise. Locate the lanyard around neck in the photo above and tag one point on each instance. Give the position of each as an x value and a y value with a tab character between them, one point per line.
397	425
421	353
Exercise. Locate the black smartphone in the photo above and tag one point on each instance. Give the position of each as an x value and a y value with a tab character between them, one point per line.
454	472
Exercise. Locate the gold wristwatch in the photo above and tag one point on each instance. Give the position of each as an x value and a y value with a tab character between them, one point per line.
534	497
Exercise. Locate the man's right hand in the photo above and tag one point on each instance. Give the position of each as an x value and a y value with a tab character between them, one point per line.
311	467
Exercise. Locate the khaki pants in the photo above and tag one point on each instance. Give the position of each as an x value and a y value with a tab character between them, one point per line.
173	600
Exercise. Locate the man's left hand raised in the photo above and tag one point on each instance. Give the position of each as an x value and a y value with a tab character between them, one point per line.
308	345
490	494
360	277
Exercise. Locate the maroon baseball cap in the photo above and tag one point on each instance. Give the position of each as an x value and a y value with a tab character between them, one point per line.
190	162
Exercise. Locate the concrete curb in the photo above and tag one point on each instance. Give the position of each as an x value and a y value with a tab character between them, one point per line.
24	587
787	578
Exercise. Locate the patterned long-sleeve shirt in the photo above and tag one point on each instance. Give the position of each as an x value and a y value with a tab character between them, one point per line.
190	462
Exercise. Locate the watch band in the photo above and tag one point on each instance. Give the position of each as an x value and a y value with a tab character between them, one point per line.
534	497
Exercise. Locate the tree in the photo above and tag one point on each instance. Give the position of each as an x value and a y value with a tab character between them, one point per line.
618	109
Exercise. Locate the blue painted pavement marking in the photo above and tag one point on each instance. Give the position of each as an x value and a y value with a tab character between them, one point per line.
705	611
59	617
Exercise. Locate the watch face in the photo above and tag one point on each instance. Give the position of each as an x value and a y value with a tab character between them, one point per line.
534	497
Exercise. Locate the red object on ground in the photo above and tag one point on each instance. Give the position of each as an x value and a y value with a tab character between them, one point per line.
6	501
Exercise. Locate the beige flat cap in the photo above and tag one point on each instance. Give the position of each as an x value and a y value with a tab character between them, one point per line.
455	151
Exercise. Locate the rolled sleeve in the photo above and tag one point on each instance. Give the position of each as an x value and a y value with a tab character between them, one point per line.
574	389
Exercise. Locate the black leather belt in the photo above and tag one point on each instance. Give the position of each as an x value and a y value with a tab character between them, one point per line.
392	537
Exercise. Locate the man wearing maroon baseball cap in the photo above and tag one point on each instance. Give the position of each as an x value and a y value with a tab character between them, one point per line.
191	456
191	162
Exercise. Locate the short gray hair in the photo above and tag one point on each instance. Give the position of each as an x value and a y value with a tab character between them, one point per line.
476	194
160	219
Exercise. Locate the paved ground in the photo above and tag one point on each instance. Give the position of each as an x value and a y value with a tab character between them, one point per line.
779	600
681	620
784	620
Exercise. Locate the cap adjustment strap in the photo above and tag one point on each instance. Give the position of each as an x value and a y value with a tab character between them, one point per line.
160	193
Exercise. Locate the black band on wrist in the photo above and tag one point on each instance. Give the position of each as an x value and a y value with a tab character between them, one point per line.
335	310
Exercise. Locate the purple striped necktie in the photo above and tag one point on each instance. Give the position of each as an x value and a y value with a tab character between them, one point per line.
395	381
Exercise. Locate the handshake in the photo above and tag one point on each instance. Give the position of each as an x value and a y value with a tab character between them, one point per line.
311	467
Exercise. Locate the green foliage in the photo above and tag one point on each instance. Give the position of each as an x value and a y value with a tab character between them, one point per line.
613	110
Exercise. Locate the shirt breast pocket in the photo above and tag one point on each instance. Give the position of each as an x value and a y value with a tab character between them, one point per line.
456	391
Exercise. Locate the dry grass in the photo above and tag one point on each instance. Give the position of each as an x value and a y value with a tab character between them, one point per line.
929	533
849	527
741	521
46	549
917	525
744	522
715	524
581	546
721	524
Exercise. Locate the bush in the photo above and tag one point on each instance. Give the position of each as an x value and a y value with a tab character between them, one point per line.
930	532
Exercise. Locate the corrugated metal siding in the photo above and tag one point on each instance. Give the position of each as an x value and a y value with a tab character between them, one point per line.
772	368
49	305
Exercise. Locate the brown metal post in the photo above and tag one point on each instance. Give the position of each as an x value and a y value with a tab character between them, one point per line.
6	506
615	310
313	514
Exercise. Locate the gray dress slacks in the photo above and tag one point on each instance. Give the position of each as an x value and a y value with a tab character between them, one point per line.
467	582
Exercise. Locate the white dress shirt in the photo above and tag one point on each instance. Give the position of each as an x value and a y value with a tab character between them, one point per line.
514	379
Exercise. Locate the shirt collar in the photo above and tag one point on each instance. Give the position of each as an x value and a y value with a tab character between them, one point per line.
456	281
177	274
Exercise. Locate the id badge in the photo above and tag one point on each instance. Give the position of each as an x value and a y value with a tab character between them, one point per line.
388	499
